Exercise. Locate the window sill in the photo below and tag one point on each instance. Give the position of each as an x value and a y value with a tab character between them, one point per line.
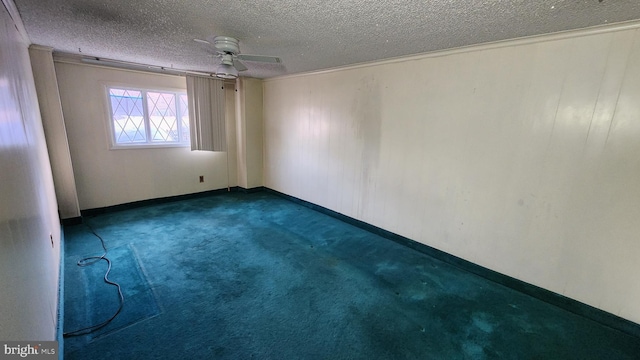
148	146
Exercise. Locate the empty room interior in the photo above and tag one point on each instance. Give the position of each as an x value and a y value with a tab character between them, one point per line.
321	180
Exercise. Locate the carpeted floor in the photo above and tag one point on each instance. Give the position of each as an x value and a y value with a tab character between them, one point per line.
255	276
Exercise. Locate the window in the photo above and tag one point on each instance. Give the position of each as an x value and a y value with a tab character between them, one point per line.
148	118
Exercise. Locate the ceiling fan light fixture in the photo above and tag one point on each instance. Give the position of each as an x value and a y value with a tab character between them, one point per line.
225	71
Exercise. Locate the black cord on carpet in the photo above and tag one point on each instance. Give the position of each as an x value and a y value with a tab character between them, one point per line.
89	261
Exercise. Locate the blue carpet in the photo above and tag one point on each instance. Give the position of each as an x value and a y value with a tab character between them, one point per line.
100	300
242	276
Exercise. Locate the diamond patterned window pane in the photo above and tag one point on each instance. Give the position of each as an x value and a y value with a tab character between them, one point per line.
127	115
184	123
162	117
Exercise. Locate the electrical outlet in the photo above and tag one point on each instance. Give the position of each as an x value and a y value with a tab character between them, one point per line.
201	178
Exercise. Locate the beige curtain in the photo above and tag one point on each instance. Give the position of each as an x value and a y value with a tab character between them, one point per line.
206	113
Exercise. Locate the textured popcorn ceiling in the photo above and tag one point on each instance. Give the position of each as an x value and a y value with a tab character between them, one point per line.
306	34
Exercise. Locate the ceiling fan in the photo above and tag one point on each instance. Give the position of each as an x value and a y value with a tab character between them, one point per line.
228	50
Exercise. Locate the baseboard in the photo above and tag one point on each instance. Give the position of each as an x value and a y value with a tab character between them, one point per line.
251	190
72	221
60	328
156	201
561	301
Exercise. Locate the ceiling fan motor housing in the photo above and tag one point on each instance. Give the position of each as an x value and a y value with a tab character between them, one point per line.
226	44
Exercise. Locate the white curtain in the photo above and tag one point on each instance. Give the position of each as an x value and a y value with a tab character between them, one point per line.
206	113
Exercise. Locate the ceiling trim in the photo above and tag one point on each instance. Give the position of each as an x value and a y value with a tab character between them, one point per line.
41	48
594	30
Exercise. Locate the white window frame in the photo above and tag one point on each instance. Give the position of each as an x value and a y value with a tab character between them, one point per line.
148	143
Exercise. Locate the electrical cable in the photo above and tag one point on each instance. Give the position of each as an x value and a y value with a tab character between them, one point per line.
90	261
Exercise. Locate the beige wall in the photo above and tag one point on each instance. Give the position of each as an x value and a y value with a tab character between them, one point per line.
55	131
521	157
107	177
29	259
249	132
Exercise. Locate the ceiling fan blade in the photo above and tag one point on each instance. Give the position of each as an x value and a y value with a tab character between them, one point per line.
202	41
260	58
238	65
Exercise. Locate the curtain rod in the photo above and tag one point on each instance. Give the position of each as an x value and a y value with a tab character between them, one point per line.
126	65
136	66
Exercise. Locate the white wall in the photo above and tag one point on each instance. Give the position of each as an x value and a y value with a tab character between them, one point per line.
29	261
522	157
107	177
